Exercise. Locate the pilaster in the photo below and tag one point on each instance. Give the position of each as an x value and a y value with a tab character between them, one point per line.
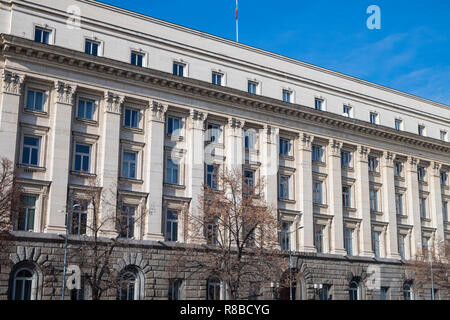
436	201
234	143
269	164
412	183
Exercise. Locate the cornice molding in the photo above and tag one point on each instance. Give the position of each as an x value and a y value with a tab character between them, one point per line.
17	47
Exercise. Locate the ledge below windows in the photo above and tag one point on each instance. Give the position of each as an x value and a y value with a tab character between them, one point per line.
174	186
83	174
131	180
290	201
87	121
30	168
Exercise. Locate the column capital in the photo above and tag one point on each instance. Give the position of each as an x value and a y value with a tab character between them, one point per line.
388	159
65	92
335	147
270	133
234	123
412	163
114	102
12	82
197	119
436	169
305	141
158	110
363	153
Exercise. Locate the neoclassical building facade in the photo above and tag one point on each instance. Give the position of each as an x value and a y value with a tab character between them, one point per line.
149	108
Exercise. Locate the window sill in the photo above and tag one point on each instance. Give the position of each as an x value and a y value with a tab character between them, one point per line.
287	157
290	201
349	209
375	173
172	137
31	168
132	180
87	121
174	186
135	130
214	144
36	112
425	219
320	205
319	163
399	178
347	169
402	216
83	174
377	213
423	182
445	187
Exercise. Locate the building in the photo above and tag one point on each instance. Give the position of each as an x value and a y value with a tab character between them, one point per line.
94	91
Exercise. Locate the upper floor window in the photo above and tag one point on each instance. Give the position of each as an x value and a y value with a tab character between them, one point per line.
178	69
217	78
317	153
376	243
373	194
317	192
85	109
423	207
172	171
137	59
346	159
27	213
173	126
82	157
373	118
31	150
445	211
421	173
318	238
401	245
284	187
398	124
398	168
421	130
287	96
129	165
346	111
348	241
285	235
214	132
399	204
373	164
318	104
250	139
444	178
443	135
91	47
35	100
346	196
249	178
211	176
285	147
42	35
172	225
131	119
79	217
127	221
252	87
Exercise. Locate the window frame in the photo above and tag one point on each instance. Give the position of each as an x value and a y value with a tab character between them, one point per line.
99	44
38	148
141	54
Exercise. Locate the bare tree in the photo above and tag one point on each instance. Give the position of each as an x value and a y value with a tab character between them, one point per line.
93	213
240	232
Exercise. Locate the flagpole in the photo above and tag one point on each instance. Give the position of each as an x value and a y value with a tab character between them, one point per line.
237	22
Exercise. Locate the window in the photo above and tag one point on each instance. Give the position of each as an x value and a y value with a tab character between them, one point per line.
353	290
79	217
127	221
317	153
407	291
421	172
285	235
348	241
85	109
173	126
346	111
172	172
35	100
91	47
373	164
398	124
23	284
131	118
287	96
376	243
30	151
284	187
421	130
129	165
346	159
252	87
325	292
443	135
172	225
317	192
373	118
398	169
399	204
211	176
214	132
318	104
127	286
285	147
373	200
445	211
384	293
401	245
137	59
42	35
178	69
423	207
27	212
346	196
82	157
250	139
249	178
444	178
175	289
214	289
212	233
217	78
318	238
425	243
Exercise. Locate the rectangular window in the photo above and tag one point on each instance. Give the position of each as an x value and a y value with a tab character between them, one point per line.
346	111
401	245
285	147
285	236
318	104
284	187
445	211
373	118
399	204
423	207
137	59
79	217
398	124
348	241
172	171
175	289
127	221
287	96
444	178
425	243
85	109
82	157
173	126
373	164
129	165
398	169
346	196
35	100
318	238
42	35
91	47
250	139
252	87
249	178
384	293
317	153
443	135
211	176
214	132
172	225
325	292
421	130
421	172
178	69
217	78
27	213
131	118
373	200
31	150
376	243
346	159
212	234
317	192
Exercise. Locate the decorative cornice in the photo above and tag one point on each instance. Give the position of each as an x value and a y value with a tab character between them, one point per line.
65	93
197	119
12	82
114	102
17	47
158	110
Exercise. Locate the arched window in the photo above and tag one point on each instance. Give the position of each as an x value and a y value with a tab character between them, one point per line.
407	291
214	289
23	284
127	289
353	290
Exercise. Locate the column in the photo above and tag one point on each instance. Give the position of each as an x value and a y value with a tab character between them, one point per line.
304	192
110	155
195	163
412	184
234	143
363	202
435	199
335	195
9	113
59	156
387	172
269	164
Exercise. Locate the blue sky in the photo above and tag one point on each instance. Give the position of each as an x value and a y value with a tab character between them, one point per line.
411	51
